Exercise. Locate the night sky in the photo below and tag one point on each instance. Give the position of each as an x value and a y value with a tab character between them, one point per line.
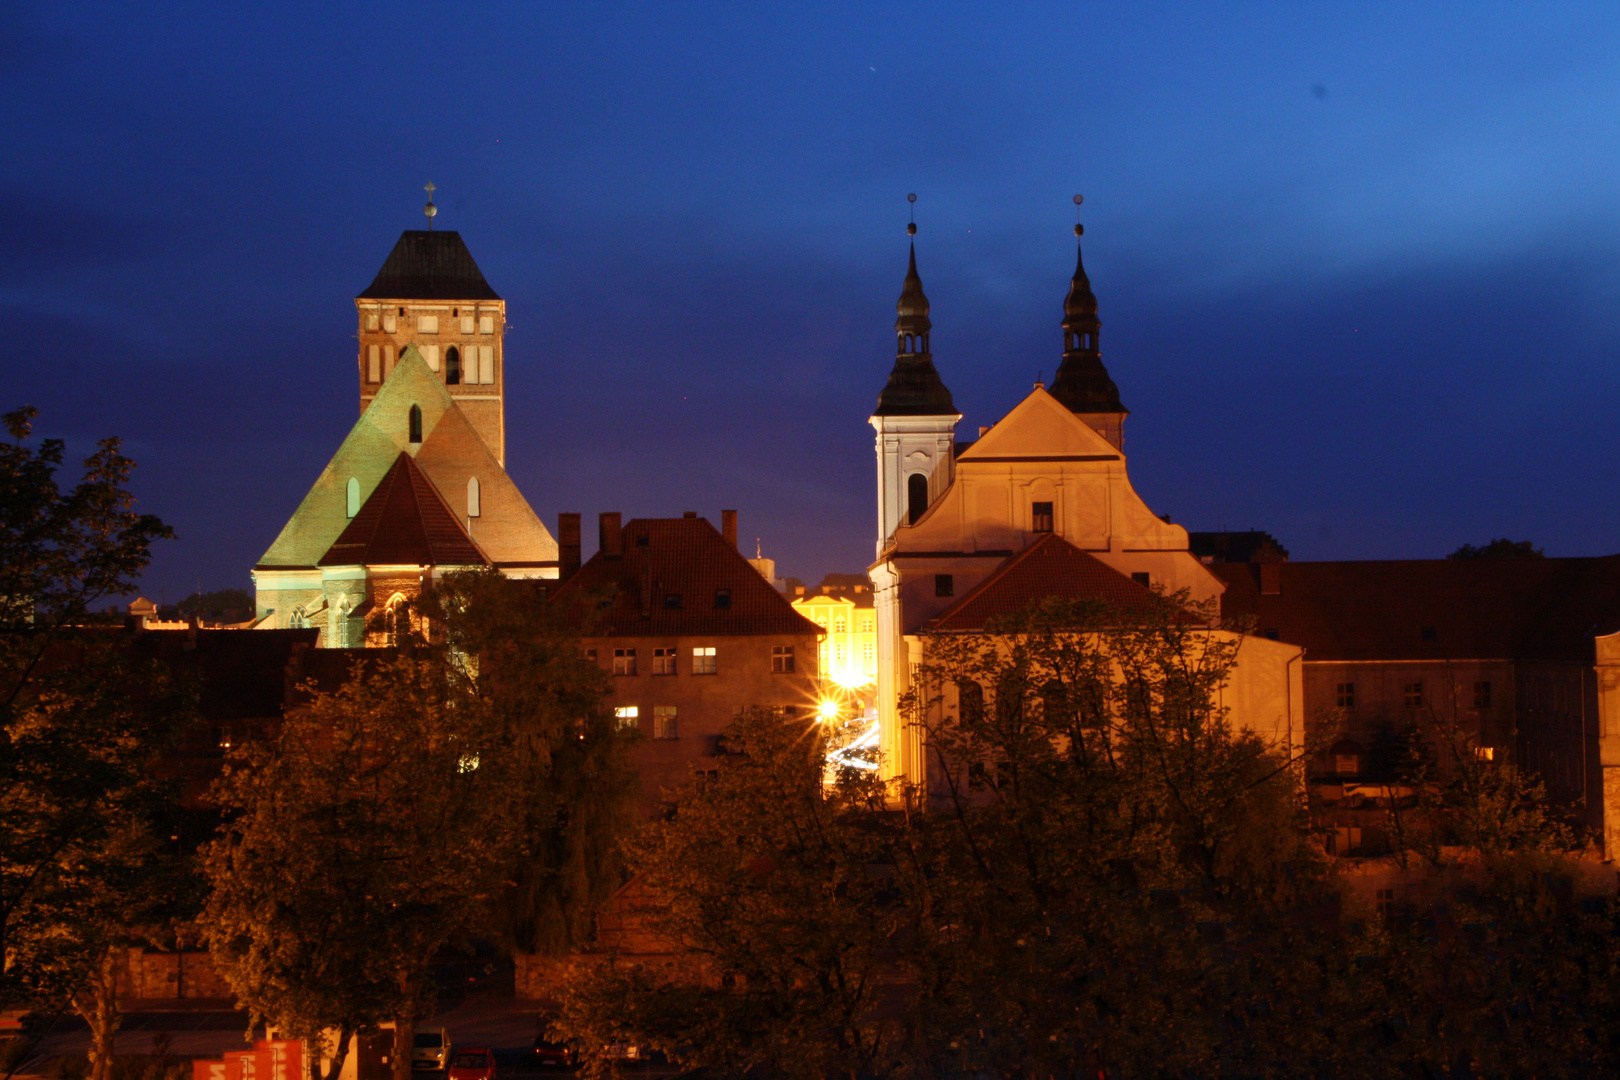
1358	265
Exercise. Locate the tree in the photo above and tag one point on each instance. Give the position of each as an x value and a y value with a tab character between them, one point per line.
1500	548
80	718
395	814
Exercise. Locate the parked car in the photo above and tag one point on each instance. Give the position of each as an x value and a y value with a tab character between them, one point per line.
431	1050
472	1063
552	1052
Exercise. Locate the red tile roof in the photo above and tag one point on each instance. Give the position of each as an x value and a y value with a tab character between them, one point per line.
1432	609
681	558
404	523
1050	567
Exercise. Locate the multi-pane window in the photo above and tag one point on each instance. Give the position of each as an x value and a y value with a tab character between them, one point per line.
664	722
944	585
868	654
628	716
1346	695
663	661
840	625
1412	695
1385	901
1482	695
782	659
1040	517
866	624
841	653
624	661
704	661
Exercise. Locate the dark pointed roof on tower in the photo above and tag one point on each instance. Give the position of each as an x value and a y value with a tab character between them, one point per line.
1082	383
914	387
427	265
404	523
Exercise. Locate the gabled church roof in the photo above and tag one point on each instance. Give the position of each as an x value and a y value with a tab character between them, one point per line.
404	523
427	265
1050	567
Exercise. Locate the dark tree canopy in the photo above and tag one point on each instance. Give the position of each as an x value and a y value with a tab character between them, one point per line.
1500	548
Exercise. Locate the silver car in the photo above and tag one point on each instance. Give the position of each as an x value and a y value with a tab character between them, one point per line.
431	1049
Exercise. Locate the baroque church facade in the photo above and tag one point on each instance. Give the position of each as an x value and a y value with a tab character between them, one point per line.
418	487
1040	504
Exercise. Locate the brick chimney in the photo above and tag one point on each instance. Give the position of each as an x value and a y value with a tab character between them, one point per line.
728	526
567	545
610	537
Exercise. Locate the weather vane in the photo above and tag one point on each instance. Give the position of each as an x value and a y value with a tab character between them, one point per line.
1079	229
911	229
430	210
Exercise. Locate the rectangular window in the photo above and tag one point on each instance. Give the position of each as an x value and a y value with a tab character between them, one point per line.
722	599
664	722
430	353
388	360
486	324
672	601
486	364
840	625
1413	695
628	716
371	321
781	659
427	324
704	660
590	654
1040	517
373	363
389	324
624	661
466	324
1384	900
866	624
1485	753
663	661
1482	695
1143	578
868	654
1346	695
944	585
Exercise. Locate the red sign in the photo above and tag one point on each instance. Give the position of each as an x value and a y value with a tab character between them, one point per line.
286	1058
208	1070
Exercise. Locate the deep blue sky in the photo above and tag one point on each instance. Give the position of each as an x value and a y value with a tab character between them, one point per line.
1358	264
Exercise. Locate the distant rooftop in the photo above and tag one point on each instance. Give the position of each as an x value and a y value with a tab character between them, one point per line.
429	266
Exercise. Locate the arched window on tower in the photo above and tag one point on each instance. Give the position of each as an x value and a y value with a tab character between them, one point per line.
916	497
416	423
452	367
473	507
352	496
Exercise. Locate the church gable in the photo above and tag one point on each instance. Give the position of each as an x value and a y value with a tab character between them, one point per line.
404	523
1040	427
365	456
505	527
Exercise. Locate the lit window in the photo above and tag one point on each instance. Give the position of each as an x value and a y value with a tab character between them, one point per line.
866	624
664	722
1040	517
840	625
781	659
868	654
1413	695
624	661
1482	695
1485	753
663	661
944	585
224	737
704	660
1346	695
628	716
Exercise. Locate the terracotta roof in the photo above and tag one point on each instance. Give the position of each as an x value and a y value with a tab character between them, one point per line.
1050	567
675	561
429	266
404	523
1431	609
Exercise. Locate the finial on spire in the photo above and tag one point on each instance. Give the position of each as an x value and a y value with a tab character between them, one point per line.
430	210
1079	229
911	226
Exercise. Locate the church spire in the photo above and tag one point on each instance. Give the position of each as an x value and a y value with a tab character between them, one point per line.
1082	382
914	387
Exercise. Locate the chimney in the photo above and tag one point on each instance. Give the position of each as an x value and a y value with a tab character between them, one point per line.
689	515
567	545
610	538
728	526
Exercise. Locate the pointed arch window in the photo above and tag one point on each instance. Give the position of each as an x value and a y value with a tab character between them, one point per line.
352	496
473	500
396	620
916	497
452	367
299	620
416	423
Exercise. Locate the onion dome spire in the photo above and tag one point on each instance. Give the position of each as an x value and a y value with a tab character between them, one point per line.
914	387
1082	382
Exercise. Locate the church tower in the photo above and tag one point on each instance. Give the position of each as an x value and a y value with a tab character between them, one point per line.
915	418
431	294
1082	383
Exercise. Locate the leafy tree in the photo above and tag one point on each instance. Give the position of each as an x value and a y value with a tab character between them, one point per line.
397	814
80	718
1500	548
